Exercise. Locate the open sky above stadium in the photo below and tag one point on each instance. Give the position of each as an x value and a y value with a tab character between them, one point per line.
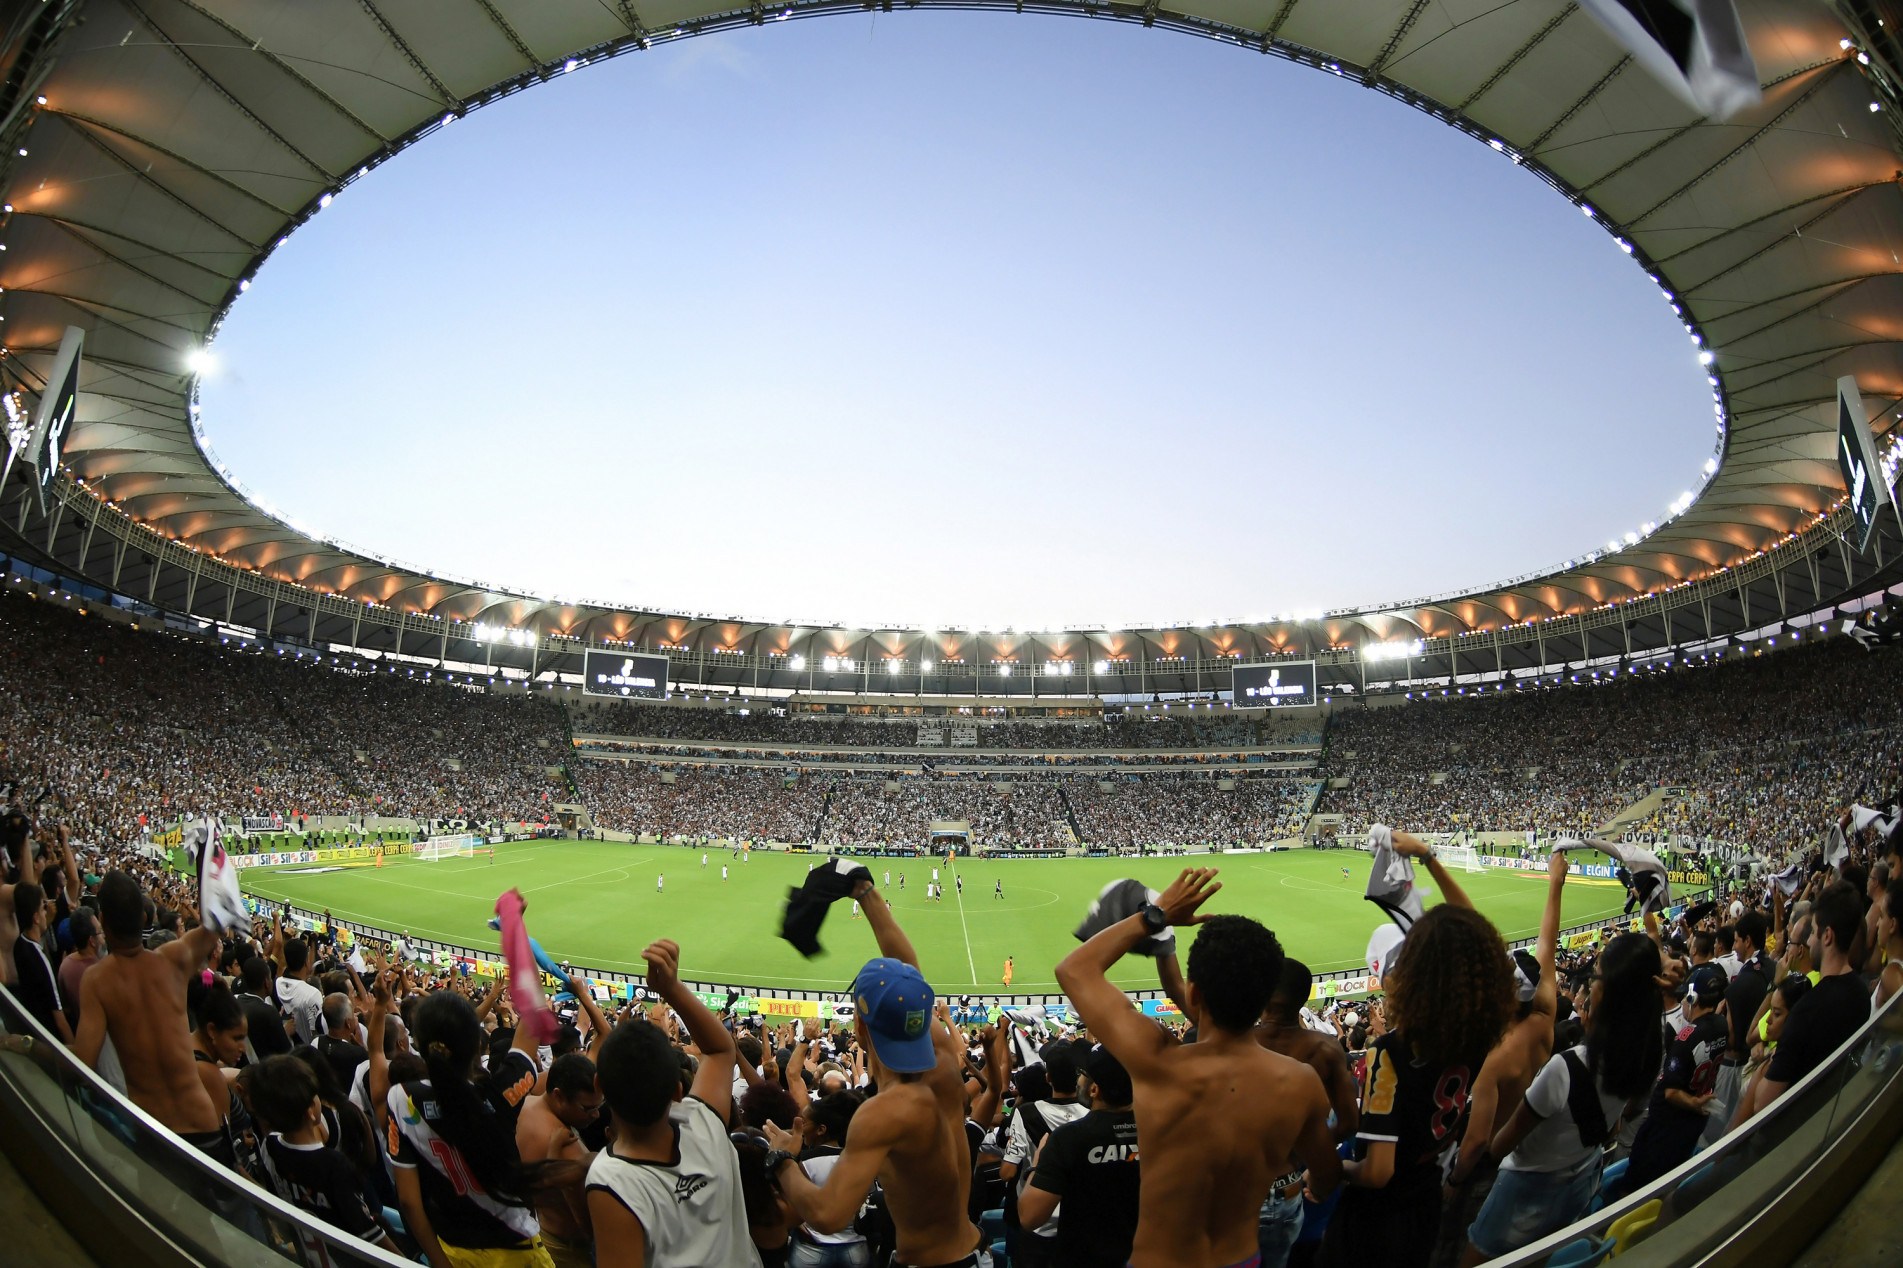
956	318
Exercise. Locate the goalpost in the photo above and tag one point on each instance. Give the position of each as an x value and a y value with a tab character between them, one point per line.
1464	857
462	846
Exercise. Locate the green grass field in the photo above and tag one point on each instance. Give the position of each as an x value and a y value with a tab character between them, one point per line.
594	904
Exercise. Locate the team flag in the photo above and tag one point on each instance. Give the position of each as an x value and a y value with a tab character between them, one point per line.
525	985
1695	48
1391	879
220	901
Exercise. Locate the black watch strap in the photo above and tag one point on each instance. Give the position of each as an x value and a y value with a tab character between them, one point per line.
1153	918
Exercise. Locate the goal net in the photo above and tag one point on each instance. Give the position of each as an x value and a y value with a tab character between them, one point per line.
453	847
1464	857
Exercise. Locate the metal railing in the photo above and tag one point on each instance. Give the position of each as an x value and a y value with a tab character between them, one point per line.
1760	1166
127	1179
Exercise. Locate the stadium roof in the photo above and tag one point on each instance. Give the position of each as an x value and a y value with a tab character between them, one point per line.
157	152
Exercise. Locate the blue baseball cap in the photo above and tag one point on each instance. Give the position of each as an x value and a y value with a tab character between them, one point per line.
895	1002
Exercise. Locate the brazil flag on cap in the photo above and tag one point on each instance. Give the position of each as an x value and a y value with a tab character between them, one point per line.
895	1003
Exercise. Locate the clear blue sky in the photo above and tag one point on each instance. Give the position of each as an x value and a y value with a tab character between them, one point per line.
959	319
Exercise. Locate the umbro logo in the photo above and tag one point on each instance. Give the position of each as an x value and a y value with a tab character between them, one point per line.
685	1187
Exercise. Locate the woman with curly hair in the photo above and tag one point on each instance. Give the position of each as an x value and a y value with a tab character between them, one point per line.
1450	996
1550	1150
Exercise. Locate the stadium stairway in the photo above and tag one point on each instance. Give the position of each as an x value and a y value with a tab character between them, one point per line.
1070	814
34	1234
1865	1231
1639	811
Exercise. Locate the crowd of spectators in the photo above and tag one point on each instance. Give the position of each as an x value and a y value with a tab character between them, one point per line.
1752	749
738	803
1479	1103
1136	728
1137	812
937	759
135	728
870	811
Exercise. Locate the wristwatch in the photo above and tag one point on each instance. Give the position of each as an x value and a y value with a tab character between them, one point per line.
775	1159
1153	918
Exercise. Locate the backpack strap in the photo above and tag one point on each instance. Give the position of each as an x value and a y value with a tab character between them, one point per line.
1582	1102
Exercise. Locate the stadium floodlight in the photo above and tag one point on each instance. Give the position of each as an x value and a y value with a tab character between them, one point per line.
1004	670
1101	667
1706	356
892	666
200	361
925	667
797	663
1394	650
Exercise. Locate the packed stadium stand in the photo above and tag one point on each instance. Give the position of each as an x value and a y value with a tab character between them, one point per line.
190	1075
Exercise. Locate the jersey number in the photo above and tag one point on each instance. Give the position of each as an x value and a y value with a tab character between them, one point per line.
454	1167
1450	1101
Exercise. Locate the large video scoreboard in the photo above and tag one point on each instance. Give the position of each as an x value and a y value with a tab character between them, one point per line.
623	674
1283	685
1857	459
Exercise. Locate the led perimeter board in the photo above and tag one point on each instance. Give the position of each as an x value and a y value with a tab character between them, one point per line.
624	675
1284	685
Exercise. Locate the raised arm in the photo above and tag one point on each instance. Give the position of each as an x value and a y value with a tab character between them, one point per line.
984	1108
885	927
796	1068
1546	950
1169	975
487	1004
1411	846
1083	975
875	1130
597	1020
379	1064
713	1080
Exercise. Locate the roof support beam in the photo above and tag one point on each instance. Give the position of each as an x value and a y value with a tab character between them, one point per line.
409	54
1756	135
1539	37
225	94
1585	100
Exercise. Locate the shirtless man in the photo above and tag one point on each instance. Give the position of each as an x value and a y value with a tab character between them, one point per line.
137	997
545	1131
911	1136
1220	1119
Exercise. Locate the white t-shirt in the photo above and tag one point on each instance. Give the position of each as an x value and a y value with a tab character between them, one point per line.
305	1003
1554	1145
1730	963
817	1168
691	1212
1018	1148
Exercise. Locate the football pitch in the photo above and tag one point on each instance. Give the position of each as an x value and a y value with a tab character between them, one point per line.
594	904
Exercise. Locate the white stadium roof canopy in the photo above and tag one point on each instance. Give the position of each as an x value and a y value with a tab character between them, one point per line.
157	152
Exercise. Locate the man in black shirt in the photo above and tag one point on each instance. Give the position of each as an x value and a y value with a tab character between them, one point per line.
1091	1165
264	1024
1742	998
38	988
305	1168
1676	1116
1830	1012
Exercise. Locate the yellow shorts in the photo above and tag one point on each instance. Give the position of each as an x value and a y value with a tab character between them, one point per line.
569	1254
528	1255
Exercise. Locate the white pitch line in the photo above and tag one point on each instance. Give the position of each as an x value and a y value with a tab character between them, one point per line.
970	963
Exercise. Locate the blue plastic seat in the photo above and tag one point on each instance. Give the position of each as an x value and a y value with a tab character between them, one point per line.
998	1257
1581	1254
